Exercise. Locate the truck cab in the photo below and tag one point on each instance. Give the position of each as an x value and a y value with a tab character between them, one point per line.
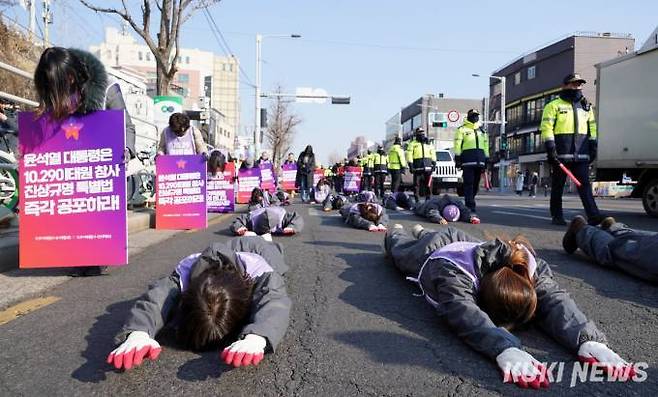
445	175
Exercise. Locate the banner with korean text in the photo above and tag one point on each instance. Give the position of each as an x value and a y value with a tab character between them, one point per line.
180	192
248	179
267	177
288	176
73	191
221	190
352	182
317	175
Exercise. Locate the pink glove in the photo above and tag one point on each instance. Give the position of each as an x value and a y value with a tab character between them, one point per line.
373	228
288	231
381	228
475	220
133	350
522	369
600	354
241	231
248	351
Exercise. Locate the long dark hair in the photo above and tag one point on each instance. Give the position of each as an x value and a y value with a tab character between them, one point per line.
370	212
508	294
216	303
216	162
60	79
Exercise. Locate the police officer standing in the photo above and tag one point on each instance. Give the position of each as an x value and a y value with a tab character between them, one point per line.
422	157
397	164
366	164
471	154
568	129
380	169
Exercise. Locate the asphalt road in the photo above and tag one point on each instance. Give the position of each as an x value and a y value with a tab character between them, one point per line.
356	328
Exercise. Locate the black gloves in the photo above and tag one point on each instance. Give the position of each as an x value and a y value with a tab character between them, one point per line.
551	153
593	149
458	161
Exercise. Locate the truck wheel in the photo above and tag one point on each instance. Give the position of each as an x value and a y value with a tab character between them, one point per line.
460	190
650	198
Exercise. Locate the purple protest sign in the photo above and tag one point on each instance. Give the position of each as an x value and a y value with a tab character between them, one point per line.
267	177
221	193
73	191
288	176
181	192
248	179
352	183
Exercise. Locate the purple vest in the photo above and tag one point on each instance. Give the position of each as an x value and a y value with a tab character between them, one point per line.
180	145
275	214
367	197
254	265
460	254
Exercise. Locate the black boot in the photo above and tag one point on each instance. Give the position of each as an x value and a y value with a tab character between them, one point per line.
569	242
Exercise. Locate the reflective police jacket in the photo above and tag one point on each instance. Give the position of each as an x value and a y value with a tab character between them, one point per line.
396	158
471	145
365	163
570	129
379	163
422	155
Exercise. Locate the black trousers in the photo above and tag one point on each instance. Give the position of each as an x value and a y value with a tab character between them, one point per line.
396	178
471	176
421	179
380	177
579	169
366	182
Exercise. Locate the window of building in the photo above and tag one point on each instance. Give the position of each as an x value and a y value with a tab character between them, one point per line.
230	67
416	121
148	56
531	73
140	56
187	60
517	78
183	78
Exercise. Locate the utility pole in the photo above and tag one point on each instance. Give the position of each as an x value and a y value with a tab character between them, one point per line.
33	17
259	38
47	20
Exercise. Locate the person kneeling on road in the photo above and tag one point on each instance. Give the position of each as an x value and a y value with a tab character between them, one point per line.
267	221
445	209
398	201
230	290
484	289
367	216
615	245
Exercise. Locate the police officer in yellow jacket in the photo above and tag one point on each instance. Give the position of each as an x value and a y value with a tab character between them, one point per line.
379	169
397	163
568	129
471	154
366	164
422	158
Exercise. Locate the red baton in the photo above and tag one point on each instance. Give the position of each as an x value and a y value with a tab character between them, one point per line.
570	175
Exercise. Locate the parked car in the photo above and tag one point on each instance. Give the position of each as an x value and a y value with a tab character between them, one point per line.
445	175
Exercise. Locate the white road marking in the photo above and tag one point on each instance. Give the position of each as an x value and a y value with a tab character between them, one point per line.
522	215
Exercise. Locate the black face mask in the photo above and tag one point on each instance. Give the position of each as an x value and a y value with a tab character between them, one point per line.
474	118
571	95
380	151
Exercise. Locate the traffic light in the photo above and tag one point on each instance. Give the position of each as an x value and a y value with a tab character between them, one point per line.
503	143
440	124
340	100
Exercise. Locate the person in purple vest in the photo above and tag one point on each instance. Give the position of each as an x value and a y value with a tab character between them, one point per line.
367	216
230	294
266	221
484	289
446	209
181	138
366	196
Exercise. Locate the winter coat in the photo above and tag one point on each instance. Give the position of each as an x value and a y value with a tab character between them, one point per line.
305	169
433	208
352	217
451	287
103	94
268	220
270	308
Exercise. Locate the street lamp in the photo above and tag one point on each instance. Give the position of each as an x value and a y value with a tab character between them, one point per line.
502	79
259	39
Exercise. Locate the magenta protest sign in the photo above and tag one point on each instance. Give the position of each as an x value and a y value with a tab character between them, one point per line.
267	177
221	191
73	191
181	192
288	176
248	179
352	182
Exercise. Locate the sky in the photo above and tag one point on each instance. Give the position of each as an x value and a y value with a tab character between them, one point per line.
384	54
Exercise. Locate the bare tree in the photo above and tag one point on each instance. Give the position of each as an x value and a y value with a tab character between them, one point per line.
173	14
280	130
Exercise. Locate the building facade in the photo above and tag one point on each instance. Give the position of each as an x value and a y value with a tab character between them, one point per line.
201	74
438	116
359	146
532	81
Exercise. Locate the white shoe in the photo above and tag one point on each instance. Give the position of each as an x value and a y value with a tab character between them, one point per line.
249	233
416	230
398	226
267	237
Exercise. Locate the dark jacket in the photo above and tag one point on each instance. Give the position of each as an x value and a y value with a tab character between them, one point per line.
456	295
103	94
354	219
270	308
305	169
433	208
290	220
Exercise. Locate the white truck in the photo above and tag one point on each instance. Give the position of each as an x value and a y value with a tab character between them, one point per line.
627	118
445	176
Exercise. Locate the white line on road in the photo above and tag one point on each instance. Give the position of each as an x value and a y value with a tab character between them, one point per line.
520	214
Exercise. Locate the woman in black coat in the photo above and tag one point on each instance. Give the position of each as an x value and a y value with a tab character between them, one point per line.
305	169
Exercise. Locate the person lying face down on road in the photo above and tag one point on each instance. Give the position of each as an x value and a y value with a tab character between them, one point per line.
485	289
445	209
398	201
268	220
367	216
334	202
231	294
261	199
614	245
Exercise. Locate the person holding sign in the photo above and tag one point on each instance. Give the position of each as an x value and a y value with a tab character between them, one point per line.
181	138
484	289
268	220
367	216
230	290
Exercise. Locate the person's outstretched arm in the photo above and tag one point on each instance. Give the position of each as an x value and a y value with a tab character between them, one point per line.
240	224
292	221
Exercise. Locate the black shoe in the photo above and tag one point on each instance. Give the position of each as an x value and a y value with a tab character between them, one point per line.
558	220
595	220
89	271
569	242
